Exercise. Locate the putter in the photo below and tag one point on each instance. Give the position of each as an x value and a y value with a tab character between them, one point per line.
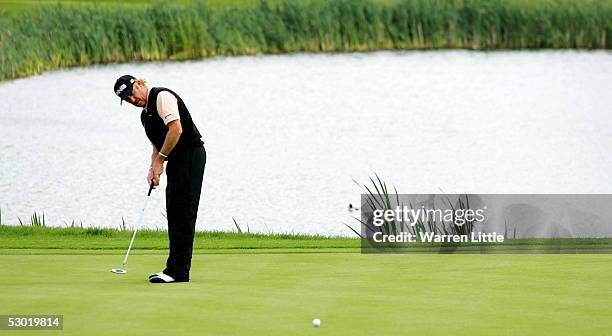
122	270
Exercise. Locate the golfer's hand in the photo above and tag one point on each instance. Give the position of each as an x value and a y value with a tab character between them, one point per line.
150	177
157	168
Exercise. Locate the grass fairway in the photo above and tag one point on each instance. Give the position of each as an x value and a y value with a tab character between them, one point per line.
278	291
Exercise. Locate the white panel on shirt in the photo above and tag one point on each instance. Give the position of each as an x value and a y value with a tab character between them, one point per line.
167	107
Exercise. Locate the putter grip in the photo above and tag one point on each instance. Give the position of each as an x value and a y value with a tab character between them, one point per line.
150	189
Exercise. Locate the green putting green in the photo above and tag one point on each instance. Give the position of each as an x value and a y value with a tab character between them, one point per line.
281	293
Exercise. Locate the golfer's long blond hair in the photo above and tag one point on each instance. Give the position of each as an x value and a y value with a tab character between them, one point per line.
141	82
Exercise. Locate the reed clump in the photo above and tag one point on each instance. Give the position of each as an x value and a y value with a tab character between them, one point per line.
60	35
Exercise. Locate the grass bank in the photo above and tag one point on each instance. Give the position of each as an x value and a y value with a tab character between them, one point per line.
74	238
71	35
54	240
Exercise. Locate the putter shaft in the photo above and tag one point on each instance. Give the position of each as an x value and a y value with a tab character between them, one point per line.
144	207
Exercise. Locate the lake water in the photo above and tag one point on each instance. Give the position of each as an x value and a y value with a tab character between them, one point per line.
286	135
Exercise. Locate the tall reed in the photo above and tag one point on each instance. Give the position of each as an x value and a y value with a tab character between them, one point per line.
378	196
58	36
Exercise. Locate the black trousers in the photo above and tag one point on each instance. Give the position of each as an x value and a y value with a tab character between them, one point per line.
184	171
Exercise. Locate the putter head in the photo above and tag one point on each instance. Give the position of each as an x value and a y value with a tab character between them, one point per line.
119	270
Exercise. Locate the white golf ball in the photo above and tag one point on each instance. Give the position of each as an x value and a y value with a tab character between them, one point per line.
316	323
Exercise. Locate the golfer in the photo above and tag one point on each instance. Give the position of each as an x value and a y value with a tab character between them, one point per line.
175	139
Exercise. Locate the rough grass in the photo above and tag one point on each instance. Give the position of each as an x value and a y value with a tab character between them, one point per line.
32	237
63	239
